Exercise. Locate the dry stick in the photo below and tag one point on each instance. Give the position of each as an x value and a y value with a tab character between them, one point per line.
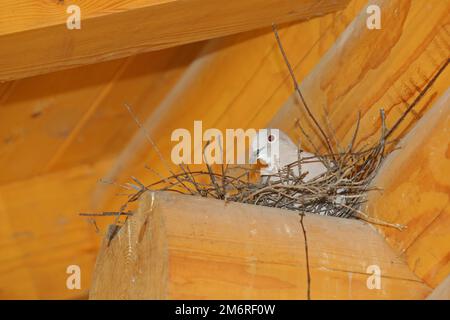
332	130
182	184
316	150
105	214
355	133
191	178
159	175
141	185
193	173
308	273
147	135
94	223
365	217
166	180
418	98
153	144
133	115
212	175
297	89
115	184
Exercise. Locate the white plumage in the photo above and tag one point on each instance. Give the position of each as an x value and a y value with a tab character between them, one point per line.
276	150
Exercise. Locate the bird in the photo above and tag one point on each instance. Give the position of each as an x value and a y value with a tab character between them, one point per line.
274	148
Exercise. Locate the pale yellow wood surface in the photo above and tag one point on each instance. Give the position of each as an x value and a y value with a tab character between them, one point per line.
416	192
35	39
184	247
41	234
77	116
368	70
442	291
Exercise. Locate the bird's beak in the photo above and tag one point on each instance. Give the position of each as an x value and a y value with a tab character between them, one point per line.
254	157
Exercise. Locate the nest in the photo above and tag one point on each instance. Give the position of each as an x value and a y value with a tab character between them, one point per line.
339	191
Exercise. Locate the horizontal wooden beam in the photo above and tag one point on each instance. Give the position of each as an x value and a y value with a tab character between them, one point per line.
415	185
185	247
35	39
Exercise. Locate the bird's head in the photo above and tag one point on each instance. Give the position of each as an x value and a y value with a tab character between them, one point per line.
265	148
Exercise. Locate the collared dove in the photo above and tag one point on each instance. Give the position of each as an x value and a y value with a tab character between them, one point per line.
276	150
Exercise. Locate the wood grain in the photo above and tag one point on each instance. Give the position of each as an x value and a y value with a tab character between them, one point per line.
416	193
78	116
368	70
124	28
183	247
442	292
41	234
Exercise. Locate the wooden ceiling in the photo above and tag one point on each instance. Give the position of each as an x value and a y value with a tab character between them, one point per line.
62	131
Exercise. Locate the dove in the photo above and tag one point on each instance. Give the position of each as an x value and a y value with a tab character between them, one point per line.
275	149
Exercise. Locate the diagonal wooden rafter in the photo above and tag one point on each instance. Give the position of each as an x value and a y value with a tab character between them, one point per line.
353	77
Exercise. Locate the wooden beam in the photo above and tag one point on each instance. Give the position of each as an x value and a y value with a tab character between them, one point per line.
442	292
41	233
415	185
184	247
412	45
35	39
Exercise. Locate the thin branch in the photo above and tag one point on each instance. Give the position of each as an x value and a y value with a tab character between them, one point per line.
297	88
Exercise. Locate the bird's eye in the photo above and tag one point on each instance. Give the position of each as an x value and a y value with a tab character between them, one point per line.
271	138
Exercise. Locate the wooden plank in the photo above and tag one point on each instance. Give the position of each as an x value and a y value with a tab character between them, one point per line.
415	185
18	282
41	234
77	116
184	247
412	45
124	28
40	113
442	292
